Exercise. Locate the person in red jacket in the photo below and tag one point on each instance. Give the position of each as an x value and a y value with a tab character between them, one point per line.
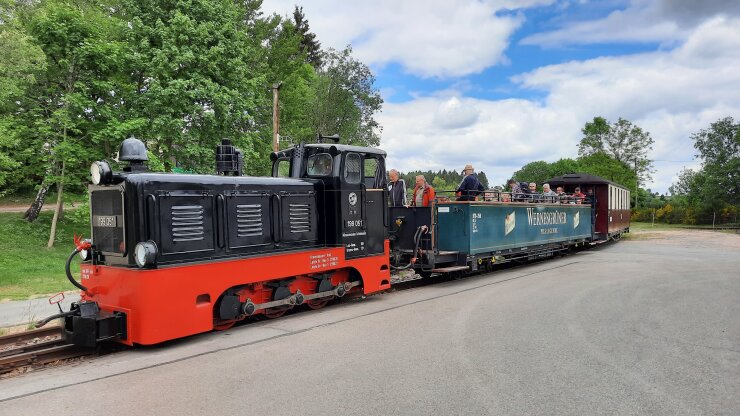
423	193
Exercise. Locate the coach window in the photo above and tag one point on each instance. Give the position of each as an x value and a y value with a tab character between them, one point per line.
352	168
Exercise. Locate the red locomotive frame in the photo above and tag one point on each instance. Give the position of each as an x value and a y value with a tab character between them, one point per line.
153	317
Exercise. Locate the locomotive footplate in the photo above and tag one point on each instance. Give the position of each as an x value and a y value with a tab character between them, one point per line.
298	298
88	325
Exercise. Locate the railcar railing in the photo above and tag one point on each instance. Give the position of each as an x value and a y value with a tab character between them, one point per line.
493	195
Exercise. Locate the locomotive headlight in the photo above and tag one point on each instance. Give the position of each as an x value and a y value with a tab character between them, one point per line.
86	254
145	253
101	173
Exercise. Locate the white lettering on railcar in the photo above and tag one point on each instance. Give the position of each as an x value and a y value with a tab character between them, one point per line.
546	218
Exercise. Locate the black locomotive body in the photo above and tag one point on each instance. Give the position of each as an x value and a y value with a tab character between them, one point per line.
228	246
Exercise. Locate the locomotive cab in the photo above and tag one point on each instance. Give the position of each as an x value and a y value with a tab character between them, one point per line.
355	192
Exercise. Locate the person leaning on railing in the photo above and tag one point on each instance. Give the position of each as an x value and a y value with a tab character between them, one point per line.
579	196
423	193
548	195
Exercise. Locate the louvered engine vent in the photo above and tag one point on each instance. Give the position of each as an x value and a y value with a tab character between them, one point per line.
187	223
300	218
249	220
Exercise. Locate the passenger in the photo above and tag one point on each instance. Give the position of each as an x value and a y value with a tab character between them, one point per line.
423	193
548	194
533	195
591	199
561	196
516	190
470	187
578	196
396	189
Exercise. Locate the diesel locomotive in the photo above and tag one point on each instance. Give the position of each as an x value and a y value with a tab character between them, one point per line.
172	255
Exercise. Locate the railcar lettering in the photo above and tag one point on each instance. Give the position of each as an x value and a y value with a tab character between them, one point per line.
546	218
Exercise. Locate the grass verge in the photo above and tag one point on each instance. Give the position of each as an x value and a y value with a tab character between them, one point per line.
27	267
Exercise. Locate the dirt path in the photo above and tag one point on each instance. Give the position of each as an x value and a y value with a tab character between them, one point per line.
680	237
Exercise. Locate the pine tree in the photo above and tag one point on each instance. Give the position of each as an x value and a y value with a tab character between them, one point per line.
309	45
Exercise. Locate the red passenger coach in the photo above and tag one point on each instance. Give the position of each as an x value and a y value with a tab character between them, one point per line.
612	209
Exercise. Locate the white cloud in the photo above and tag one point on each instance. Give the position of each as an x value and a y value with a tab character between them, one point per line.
671	94
441	38
663	21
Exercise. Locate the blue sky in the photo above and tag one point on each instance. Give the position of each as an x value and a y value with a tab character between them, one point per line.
500	83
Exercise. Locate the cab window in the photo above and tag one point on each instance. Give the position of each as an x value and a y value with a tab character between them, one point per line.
319	164
352	168
281	168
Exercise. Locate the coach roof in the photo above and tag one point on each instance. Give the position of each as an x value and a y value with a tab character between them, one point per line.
581	179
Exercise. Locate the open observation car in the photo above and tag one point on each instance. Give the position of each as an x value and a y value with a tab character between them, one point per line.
467	236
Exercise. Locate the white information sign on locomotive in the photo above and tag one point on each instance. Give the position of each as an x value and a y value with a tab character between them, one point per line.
576	219
322	261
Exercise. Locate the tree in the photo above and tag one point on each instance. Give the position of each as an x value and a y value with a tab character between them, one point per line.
607	167
563	167
623	141
483	179
309	45
20	60
200	76
56	116
537	172
719	148
346	100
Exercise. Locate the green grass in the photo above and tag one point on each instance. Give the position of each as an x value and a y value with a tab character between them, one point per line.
27	198
27	267
646	226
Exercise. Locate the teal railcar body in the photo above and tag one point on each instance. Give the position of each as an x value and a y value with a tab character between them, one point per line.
491	227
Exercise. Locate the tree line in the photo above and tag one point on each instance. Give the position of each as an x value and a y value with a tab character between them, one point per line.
619	152
77	77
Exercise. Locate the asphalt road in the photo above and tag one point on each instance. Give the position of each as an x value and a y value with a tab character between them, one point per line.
639	327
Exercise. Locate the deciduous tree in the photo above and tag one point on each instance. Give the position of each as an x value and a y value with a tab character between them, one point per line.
623	141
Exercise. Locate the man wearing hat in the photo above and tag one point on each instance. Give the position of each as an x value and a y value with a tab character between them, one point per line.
470	187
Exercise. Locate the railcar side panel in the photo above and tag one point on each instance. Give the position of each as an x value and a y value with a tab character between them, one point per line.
476	228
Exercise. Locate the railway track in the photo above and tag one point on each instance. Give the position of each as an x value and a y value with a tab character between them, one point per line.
34	348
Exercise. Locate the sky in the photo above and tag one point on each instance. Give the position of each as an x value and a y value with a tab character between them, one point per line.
501	83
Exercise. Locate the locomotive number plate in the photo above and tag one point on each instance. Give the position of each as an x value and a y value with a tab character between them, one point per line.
352	223
105	221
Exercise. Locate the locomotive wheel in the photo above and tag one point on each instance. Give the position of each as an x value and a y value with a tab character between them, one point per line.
317	303
223	326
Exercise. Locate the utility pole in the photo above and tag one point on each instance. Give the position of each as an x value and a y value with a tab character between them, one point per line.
637	185
276	116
